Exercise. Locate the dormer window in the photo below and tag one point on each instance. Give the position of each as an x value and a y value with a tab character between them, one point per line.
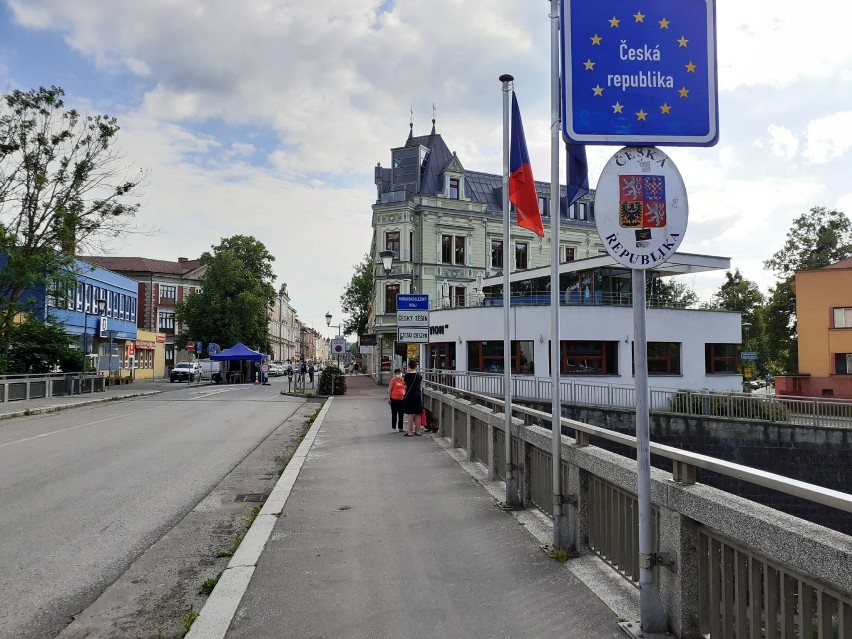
454	188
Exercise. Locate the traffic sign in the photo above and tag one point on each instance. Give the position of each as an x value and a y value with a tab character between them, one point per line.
413	335
198	347
639	74
409	302
213	348
412	318
338	345
190	346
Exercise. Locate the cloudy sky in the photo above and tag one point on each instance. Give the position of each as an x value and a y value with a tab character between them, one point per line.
266	117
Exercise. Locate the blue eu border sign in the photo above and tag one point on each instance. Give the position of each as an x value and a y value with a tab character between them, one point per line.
639	73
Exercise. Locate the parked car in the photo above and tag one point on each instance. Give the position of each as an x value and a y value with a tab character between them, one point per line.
184	372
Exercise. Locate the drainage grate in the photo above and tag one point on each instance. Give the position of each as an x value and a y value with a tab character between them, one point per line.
252	497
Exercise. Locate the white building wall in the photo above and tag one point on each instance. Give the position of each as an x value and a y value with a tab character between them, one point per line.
691	328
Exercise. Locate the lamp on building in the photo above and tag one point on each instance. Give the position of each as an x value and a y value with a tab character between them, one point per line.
387	260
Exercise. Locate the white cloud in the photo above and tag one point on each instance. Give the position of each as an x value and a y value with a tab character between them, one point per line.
829	138
782	141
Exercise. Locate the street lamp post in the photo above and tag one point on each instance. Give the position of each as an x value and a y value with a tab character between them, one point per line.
387	263
328	323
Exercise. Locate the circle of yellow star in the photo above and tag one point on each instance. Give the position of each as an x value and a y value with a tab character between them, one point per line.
613	22
664	24
684	92
690	68
617	108
596	39
641	115
598	90
682	41
590	66
665	108
639	16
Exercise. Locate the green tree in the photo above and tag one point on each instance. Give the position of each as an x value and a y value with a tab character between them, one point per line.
357	297
670	291
39	347
235	297
62	185
815	240
740	294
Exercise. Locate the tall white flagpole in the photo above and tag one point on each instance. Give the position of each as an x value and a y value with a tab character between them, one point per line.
512	496
560	522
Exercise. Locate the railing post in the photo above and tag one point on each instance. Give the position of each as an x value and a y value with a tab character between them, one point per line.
679	582
468	423
491	453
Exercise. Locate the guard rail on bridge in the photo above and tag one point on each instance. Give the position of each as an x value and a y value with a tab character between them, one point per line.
727	568
806	411
22	387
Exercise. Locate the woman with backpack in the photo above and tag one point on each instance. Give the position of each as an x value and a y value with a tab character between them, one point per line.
396	395
412	404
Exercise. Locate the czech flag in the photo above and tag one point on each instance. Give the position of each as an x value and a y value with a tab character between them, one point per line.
521	184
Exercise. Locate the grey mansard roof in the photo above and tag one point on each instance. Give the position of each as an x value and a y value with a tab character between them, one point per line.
483	188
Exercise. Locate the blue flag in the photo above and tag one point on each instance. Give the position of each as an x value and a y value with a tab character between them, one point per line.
578	172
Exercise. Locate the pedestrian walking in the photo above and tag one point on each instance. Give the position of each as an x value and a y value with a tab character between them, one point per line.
396	395
412	404
311	373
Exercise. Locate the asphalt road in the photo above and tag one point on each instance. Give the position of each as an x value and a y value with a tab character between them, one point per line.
84	492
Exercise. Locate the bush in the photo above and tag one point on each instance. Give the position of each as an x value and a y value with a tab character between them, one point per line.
730	406
328	374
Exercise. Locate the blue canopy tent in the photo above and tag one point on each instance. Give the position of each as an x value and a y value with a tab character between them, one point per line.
238	352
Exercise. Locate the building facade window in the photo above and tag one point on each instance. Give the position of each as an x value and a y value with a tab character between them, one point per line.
843	318
459	294
168	292
455	190
521	255
664	358
843	363
442	356
167	322
391	291
487	357
568	254
721	358
542	204
453	249
589	357
392	242
496	253
170	352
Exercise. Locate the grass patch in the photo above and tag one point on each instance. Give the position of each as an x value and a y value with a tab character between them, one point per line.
189	618
560	555
230	551
252	516
209	584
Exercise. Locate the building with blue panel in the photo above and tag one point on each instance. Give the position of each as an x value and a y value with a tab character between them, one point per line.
99	307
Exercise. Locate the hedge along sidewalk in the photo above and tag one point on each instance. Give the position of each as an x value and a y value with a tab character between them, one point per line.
216	615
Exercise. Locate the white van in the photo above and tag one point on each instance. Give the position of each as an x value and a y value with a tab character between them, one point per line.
211	370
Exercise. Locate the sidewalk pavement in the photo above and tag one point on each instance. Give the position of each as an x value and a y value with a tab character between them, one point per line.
373	534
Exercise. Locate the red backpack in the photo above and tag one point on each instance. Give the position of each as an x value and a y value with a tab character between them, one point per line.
397	389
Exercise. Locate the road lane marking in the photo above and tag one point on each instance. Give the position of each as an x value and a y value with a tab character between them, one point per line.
209	393
70	428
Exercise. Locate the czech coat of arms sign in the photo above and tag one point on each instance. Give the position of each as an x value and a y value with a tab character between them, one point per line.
641	208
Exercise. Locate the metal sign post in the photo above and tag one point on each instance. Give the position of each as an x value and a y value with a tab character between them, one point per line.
641	217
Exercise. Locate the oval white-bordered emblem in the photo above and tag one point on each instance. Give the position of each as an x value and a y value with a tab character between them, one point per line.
641	210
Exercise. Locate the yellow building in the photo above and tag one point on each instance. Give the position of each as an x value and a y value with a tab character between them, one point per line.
824	315
146	356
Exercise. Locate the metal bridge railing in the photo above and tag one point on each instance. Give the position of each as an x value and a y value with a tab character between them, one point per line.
749	571
806	411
